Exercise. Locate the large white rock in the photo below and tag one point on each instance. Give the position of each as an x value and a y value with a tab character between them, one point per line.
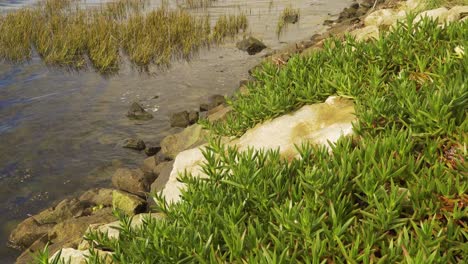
112	229
382	17
366	33
440	13
457	13
414	4
75	256
318	123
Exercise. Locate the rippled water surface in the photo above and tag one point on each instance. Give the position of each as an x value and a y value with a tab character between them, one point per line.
59	130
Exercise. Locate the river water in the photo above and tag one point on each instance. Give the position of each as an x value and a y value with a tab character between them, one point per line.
60	130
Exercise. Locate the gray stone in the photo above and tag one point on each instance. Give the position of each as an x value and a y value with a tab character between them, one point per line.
64	210
137	112
251	45
134	143
132	181
149	164
128	203
180	119
151	151
291	18
99	196
193	117
190	137
27	232
164	171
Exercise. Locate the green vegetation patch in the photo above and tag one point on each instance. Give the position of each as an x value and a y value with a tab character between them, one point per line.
395	192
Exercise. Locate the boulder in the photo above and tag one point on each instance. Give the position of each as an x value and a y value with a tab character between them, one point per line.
366	33
27	232
70	232
322	124
134	143
70	256
149	165
65	234
414	4
132	181
27	256
251	45
137	112
151	151
180	119
218	113
64	210
99	196
457	13
75	256
111	230
193	117
164	171
440	14
214	101
128	203
382	17
190	137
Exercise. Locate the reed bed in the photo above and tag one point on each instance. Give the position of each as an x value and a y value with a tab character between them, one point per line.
199	3
63	34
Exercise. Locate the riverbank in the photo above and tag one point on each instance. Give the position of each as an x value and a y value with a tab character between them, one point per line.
336	187
99	142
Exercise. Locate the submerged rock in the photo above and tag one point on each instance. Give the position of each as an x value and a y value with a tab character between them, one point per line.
318	124
137	112
291	18
251	45
183	119
214	101
134	143
151	151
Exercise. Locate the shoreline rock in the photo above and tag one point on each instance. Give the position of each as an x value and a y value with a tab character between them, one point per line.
137	112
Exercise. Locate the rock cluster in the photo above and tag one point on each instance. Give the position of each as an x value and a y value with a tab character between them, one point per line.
386	19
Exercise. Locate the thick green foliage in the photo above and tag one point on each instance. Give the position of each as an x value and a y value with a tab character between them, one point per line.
393	193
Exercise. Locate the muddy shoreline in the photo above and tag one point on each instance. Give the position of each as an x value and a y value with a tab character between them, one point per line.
65	223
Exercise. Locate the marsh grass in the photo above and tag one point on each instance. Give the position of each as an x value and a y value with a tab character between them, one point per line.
64	34
286	16
229	26
395	192
16	35
199	3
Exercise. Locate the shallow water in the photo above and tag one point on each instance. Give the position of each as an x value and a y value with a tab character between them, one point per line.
60	131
